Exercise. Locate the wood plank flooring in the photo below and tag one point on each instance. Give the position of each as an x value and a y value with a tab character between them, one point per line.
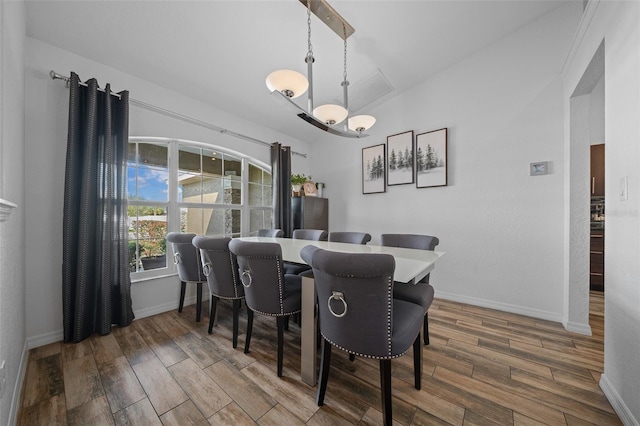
483	367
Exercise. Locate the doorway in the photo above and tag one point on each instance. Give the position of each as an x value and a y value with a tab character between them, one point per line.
587	128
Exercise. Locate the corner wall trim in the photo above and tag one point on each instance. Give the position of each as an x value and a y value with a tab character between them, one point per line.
17	390
617	403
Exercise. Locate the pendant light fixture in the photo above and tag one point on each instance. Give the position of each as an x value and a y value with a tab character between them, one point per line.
287	84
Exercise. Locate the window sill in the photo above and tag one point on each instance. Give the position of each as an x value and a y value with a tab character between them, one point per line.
152	277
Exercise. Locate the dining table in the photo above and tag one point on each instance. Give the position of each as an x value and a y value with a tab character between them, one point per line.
411	266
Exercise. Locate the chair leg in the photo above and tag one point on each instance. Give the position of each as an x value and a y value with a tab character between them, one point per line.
212	313
199	303
286	322
183	290
281	323
324	371
417	362
236	311
426	328
352	357
385	390
249	329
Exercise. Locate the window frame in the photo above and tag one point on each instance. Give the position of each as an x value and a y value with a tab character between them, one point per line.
173	205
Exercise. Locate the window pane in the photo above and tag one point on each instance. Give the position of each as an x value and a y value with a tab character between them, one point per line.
148	172
232	166
147	232
259	219
214	222
232	190
255	174
212	192
255	194
267	198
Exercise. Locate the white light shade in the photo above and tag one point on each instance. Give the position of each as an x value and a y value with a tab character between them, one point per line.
360	123
290	83
330	113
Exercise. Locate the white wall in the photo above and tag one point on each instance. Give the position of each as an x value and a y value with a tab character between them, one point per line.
596	108
501	229
618	24
12	275
46	136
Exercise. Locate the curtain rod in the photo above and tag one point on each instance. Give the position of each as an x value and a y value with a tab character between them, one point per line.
55	76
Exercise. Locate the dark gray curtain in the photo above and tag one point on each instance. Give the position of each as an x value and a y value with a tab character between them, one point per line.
96	286
281	187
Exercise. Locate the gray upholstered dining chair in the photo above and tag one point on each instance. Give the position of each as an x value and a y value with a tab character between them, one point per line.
304	234
268	291
310	234
274	233
422	292
358	314
220	267
187	259
350	237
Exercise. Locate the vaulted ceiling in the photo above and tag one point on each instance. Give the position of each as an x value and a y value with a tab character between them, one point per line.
220	52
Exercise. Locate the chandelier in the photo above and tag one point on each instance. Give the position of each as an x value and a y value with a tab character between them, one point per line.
289	84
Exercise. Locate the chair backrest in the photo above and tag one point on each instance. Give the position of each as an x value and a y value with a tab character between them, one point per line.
414	241
274	233
350	237
186	257
310	234
261	274
354	299
220	267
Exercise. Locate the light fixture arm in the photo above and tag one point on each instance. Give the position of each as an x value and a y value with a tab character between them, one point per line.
286	84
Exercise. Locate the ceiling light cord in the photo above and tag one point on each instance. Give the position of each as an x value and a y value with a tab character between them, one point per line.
309	59
345	82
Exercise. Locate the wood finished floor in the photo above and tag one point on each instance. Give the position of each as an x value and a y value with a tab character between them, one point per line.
483	367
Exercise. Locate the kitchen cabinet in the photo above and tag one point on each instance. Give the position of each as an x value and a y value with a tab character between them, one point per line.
596	261
310	213
597	169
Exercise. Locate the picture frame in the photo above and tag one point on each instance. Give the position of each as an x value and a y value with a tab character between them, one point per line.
400	161
374	169
431	159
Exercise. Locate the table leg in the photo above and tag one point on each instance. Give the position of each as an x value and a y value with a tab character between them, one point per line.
308	334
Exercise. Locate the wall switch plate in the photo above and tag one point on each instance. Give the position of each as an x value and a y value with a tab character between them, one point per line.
624	188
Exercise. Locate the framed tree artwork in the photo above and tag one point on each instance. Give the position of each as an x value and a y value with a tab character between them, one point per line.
400	158
431	159
373	169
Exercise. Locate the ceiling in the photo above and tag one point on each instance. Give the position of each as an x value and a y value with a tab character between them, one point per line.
220	52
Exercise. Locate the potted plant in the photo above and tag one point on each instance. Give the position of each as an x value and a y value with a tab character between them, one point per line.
297	180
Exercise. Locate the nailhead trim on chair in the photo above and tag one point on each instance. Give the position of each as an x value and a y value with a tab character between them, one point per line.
389	306
363	355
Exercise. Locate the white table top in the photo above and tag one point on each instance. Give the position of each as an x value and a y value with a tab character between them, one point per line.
411	264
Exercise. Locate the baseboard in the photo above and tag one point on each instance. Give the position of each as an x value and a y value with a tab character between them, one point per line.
514	309
617	403
58	335
45	339
158	309
17	390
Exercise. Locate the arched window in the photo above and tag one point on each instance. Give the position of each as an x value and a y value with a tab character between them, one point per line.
186	186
